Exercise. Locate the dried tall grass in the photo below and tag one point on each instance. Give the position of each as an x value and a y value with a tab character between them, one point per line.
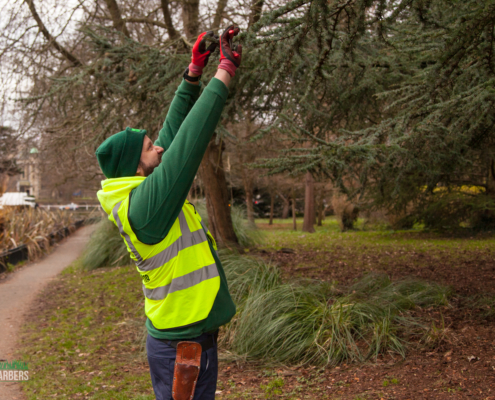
31	227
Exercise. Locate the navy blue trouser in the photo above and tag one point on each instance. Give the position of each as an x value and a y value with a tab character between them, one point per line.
161	358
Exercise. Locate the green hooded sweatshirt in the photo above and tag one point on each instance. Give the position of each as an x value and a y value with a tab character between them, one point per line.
155	201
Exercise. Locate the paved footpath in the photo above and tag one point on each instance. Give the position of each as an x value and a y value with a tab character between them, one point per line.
19	290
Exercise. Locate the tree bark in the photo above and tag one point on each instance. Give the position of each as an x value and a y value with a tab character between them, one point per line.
321	207
255	15
249	201
272	204
309	204
490	180
172	33
217	196
190	13
51	40
118	22
286	207
294	223
5	183
247	180
219	13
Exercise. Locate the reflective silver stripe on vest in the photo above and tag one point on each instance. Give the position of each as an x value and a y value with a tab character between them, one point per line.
187	239
182	282
115	212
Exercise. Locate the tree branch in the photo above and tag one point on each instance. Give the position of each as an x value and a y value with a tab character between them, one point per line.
219	13
255	14
117	20
51	40
169	26
190	14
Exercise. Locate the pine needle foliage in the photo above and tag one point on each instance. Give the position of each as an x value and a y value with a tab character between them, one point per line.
318	323
393	98
389	99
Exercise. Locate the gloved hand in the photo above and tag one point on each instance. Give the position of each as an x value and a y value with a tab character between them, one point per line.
201	53
230	56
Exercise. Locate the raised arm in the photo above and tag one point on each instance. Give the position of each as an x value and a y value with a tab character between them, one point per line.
156	203
185	97
188	91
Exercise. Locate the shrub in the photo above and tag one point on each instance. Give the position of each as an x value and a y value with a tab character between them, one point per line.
346	212
448	210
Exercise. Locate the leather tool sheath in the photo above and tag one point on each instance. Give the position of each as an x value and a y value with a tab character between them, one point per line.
186	370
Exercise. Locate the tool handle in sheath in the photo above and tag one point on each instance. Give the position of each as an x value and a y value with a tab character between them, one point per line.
186	370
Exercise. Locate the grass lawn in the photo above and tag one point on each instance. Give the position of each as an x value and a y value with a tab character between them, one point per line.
84	338
465	262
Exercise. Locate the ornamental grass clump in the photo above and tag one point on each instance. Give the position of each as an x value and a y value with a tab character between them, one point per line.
31	227
105	247
316	322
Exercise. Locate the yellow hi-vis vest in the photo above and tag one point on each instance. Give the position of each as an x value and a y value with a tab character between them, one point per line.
180	277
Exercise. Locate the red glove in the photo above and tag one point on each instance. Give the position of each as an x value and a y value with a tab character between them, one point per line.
230	55
201	53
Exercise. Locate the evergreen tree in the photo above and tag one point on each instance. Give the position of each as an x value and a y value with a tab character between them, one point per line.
392	100
396	99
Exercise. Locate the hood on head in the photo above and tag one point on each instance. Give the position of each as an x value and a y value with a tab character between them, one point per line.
117	189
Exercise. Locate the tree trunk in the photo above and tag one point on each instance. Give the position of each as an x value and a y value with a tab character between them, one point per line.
217	196
190	13
490	180
321	206
286	207
219	14
247	180
309	204
172	33
272	201
294	223
118	22
5	183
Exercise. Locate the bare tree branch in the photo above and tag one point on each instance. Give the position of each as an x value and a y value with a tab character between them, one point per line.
190	14
219	13
117	20
172	33
255	14
139	20
51	40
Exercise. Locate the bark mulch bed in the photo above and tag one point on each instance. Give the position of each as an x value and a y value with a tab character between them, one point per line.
460	365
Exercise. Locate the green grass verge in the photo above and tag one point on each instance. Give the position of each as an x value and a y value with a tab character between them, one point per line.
328	236
84	341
